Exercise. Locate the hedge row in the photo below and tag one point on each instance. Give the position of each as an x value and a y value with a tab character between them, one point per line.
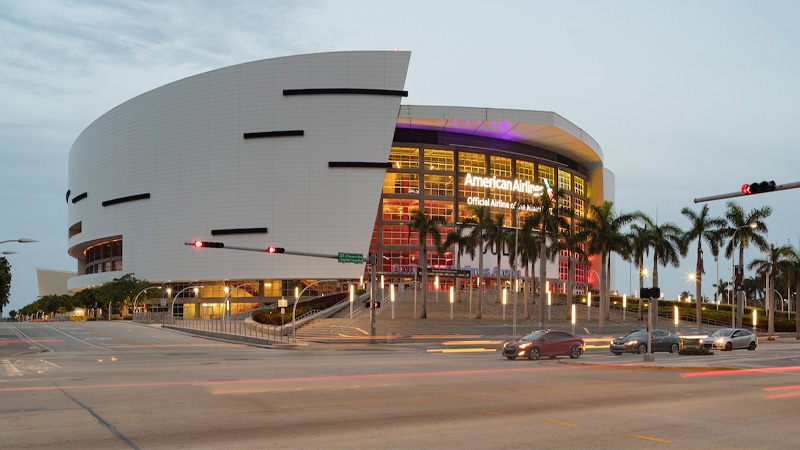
274	317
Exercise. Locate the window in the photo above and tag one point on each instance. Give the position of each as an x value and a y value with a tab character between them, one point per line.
580	273
563	270
439	185
399	209
401	183
471	163
525	171
579	211
547	173
435	208
398	235
404	158
437	260
499	166
465	191
399	259
564	201
578	186
439	160
564	180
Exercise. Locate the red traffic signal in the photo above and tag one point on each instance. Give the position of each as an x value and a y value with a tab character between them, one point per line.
200	244
758	188
275	249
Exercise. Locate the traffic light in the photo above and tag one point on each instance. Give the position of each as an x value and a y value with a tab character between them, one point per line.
651	292
758	188
200	244
275	249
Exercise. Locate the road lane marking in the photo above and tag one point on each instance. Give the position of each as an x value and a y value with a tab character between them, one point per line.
79	340
11	369
791	394
566	424
782	388
648	438
472	342
491	413
741	371
373	376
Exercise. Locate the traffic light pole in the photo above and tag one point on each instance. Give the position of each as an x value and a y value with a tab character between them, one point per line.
781	187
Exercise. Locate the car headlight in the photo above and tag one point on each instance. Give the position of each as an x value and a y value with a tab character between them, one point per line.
525	345
633	342
720	340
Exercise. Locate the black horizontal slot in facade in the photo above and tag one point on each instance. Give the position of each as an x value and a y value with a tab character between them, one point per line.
80	197
333	91
369	165
238	231
269	134
131	198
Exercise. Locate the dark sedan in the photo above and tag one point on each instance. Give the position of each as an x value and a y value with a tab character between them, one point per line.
545	343
636	342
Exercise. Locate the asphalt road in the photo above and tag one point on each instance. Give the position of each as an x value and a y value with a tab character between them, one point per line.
121	385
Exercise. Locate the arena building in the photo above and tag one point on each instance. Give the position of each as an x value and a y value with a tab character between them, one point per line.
314	154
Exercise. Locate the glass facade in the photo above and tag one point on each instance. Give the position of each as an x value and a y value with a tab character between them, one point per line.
442	181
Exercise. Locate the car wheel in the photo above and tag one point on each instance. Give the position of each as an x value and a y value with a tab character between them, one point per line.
534	354
617	353
728	347
642	349
511	357
575	353
674	349
752	346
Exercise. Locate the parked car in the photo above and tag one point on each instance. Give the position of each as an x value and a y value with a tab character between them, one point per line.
545	343
636	342
731	338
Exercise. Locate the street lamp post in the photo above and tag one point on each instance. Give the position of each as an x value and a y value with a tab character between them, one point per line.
172	305
737	297
137	297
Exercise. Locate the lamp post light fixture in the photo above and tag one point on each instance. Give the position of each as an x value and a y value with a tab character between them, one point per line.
452	295
624	306
140	293
436	286
391	291
505	294
352	297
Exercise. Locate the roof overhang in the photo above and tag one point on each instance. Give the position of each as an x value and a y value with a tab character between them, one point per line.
543	129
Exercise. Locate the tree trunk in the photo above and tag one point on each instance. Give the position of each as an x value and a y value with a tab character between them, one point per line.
424	261
527	311
770	297
641	284
499	280
481	281
654	301
698	284
605	306
603	293
542	277
796	315
739	299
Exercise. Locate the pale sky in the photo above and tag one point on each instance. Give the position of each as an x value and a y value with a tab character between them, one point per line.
686	98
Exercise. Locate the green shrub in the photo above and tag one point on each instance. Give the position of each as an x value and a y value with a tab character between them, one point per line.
695	351
274	317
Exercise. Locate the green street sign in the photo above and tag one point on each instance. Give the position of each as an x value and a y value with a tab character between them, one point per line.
357	258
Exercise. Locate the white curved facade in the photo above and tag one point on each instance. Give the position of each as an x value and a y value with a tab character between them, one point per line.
183	144
245	151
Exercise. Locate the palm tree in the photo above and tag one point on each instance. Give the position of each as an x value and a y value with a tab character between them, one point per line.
548	222
639	242
529	247
775	261
480	221
572	241
703	228
744	229
604	232
425	226
721	287
794	264
460	239
497	237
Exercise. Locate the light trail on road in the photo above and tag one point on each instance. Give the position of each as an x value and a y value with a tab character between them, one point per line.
377	376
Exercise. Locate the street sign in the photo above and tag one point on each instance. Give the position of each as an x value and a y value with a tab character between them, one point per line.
356	258
448	273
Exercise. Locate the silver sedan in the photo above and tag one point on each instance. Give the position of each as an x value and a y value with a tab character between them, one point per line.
731	338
